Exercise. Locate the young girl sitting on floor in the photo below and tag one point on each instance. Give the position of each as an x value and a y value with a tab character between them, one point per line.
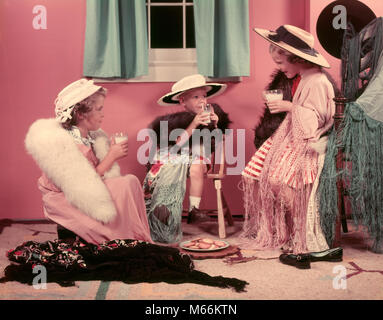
81	185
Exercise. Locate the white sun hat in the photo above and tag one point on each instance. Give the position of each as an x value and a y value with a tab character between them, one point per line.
296	41
187	83
71	95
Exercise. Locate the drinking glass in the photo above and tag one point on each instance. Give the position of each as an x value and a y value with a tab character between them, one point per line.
207	110
273	95
120	136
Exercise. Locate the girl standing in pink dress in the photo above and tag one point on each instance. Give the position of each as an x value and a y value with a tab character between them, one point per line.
82	189
280	176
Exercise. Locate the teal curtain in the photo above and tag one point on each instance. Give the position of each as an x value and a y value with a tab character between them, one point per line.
222	37
116	42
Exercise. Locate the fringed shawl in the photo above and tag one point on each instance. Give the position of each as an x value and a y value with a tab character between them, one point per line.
277	214
361	138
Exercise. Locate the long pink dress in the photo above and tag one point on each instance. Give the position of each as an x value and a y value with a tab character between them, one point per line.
126	191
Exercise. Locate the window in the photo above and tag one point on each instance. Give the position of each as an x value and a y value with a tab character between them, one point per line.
171	42
172	53
171	24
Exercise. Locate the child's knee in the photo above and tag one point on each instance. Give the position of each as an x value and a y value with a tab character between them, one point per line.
197	170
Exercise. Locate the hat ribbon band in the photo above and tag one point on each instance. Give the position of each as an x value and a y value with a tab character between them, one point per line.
284	35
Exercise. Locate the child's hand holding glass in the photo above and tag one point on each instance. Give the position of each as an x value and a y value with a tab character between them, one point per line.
275	102
120	136
119	147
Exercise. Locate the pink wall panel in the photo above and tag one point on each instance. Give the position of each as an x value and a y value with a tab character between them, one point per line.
36	64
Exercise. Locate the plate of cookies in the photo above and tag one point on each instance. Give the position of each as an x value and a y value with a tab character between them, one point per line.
204	244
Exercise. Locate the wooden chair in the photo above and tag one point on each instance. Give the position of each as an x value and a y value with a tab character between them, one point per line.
340	104
217	174
365	39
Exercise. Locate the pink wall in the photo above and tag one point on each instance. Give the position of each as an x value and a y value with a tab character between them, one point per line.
36	64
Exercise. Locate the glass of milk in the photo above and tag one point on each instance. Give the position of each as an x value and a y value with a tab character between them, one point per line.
273	95
207	110
120	136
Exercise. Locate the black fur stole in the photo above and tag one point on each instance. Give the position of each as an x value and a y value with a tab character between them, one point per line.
269	123
182	120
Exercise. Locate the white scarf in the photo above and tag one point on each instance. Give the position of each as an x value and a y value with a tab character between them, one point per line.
56	153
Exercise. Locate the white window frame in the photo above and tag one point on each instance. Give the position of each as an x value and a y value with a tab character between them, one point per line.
168	65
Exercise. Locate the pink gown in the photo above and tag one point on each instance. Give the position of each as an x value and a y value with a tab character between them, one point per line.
126	191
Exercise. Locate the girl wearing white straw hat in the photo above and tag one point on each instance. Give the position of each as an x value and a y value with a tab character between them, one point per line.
83	191
284	171
177	159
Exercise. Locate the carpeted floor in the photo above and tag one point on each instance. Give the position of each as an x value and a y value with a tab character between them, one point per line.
267	277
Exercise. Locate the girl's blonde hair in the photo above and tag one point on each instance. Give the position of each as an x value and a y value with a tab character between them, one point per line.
291	58
83	107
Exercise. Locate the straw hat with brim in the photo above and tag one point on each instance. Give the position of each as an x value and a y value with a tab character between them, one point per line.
71	95
190	82
296	41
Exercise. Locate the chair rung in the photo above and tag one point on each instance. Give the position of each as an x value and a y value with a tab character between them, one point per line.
215	176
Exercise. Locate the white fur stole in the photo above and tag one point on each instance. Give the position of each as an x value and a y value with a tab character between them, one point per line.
57	155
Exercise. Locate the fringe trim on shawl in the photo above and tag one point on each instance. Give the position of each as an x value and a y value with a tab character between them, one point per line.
362	142
277	213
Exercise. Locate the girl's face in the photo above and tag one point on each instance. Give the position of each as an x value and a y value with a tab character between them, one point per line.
289	69
194	100
92	120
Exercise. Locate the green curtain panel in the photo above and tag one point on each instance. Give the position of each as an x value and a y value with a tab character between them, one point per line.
116	42
222	37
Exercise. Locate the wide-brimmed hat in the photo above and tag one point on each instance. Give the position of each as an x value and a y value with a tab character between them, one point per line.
71	95
190	82
294	40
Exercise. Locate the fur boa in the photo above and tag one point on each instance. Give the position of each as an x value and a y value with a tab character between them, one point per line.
269	122
57	155
183	119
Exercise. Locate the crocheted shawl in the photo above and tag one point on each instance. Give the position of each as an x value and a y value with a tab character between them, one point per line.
272	220
361	140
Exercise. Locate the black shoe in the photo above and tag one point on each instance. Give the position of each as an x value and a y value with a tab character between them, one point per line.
331	255
65	234
301	261
195	215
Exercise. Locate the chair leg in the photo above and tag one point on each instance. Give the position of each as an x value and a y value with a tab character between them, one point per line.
228	215
221	219
343	217
339	219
